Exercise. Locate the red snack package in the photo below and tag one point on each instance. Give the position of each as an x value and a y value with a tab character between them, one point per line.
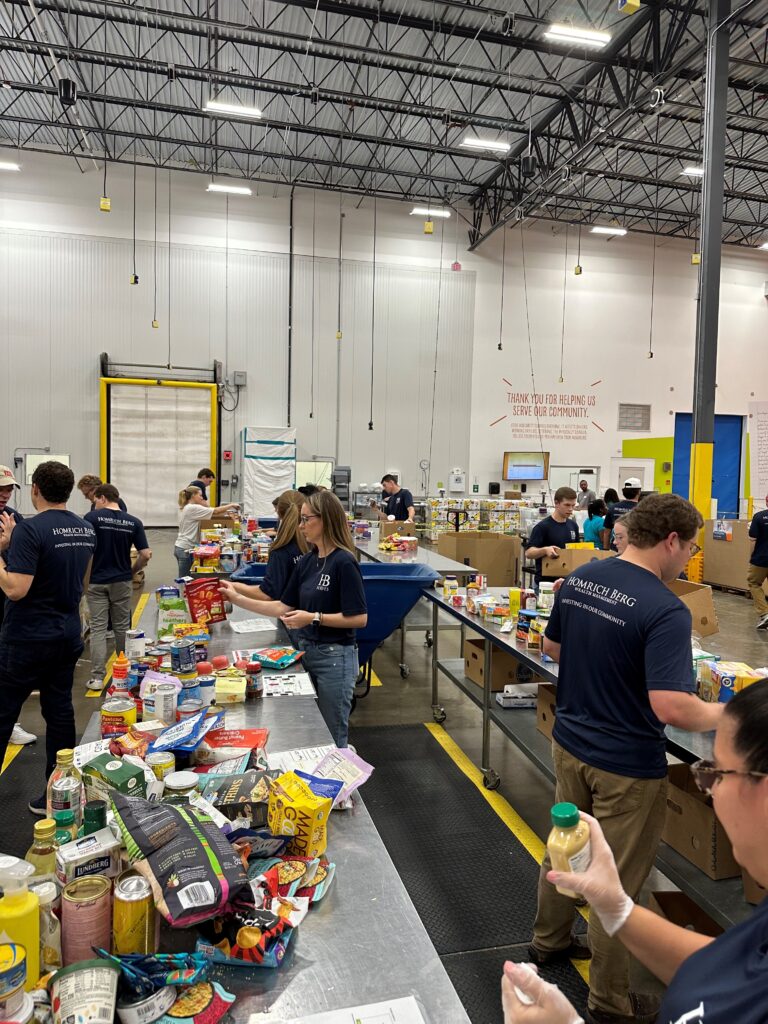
205	601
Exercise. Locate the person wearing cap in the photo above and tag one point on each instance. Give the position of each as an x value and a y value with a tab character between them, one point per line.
20	737
631	491
87	486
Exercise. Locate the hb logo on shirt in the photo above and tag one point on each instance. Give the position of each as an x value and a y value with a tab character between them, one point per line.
324	582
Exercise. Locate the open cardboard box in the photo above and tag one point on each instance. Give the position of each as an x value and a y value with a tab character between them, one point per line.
386	529
505	668
497	555
681	910
545	709
697	597
693	829
570	559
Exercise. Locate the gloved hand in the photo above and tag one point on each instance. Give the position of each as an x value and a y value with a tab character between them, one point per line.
600	884
528	999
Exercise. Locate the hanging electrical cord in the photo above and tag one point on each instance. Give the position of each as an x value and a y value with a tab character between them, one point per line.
225	388
437	340
169	268
503	275
134	275
578	267
339	272
155	321
312	335
565	286
530	344
653	296
373	310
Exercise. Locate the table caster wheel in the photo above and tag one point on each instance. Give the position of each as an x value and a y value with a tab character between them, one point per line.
404	671
428	641
439	715
491	780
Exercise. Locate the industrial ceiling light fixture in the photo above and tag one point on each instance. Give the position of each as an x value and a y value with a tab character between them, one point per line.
67	90
572	35
763	246
430	211
528	162
491	145
231	109
233	190
7	165
692	172
607	229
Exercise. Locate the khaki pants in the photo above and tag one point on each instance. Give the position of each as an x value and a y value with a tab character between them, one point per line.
755	578
631	813
105	599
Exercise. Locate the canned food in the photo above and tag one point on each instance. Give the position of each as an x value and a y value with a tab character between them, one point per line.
86	917
13	969
65	796
117	716
162	764
183	655
148	707
135	644
188	709
96	979
148	1010
164	699
133	915
206	686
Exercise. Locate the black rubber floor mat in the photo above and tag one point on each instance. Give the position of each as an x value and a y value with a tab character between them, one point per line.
472	882
476	977
23	780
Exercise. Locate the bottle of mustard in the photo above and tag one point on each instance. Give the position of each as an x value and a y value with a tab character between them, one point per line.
568	844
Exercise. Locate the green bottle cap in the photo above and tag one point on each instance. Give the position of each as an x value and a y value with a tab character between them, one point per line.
64	817
565	815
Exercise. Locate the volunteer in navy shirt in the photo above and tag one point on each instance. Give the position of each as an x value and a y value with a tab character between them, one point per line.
43	564
87	486
623	643
709	981
110	590
758	564
631	496
324	602
398	502
550	535
285	552
204	480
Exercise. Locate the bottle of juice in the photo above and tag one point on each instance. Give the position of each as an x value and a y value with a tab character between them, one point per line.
20	913
568	843
65	787
42	853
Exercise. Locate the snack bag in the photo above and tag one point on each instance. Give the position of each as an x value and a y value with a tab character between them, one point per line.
276	657
185	735
295	811
319	884
322	787
343	763
224	744
206	604
241	795
204	1001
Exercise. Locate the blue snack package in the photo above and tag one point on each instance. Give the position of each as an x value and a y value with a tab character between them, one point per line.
187	734
322	787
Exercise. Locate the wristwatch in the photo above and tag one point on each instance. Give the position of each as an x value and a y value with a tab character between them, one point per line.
318	618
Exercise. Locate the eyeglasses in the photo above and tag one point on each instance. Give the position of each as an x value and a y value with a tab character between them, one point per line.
695	549
305	519
706	774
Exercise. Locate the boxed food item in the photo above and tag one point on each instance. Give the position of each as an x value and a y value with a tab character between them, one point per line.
513	696
230	688
693	829
206	604
505	667
727	678
546	705
171	611
96	854
295	811
107	774
386	529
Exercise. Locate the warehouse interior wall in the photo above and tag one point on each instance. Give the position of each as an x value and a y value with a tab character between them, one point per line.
661	450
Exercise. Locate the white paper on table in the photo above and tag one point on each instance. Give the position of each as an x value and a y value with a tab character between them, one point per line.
258	625
397	1011
289	684
87	751
303	758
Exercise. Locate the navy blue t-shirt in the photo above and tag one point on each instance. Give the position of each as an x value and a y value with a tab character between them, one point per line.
120	504
397	505
619	509
115	533
55	547
547	533
623	633
18	517
725	982
279	569
758	529
331	585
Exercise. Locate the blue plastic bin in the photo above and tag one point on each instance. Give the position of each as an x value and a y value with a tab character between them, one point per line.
249	572
391	591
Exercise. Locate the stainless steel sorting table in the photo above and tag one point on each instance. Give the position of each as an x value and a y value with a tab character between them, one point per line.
723	900
364	943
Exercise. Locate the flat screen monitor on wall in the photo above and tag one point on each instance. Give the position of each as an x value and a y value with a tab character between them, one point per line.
526	466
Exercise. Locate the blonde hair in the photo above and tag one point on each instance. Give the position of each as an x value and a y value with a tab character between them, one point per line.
335	526
288	508
186	494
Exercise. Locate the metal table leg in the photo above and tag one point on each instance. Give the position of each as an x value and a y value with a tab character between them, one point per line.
404	670
490	779
438	712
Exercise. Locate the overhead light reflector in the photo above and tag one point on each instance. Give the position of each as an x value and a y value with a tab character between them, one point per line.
492	145
571	35
763	246
693	172
235	190
430	211
6	165
231	109
607	229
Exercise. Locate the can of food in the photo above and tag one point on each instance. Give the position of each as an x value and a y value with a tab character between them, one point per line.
148	707
13	969
66	796
133	915
164	703
162	763
135	644
188	709
16	1008
149	1009
180	784
86	917
183	655
97	978
206	686
190	688
117	716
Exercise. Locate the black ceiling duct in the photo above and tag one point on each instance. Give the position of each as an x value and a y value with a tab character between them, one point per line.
67	92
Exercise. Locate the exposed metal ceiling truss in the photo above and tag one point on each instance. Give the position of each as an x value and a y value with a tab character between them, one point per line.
375	97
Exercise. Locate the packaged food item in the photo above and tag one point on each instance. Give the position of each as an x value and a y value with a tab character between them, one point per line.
13	969
117	716
230	688
191	866
276	657
170	612
166	591
162	764
186	735
66	827
344	764
42	853
568	844
206	685
318	885
206	604
183	655
329	788
188	709
203	1003
106	773
86	917
729	678
86	992
94	817
96	854
134	922
295	811
224	744
240	795
50	927
135	644
148	1009
65	786
179	785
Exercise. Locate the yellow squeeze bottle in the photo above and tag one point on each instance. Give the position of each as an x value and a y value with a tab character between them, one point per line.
20	914
568	844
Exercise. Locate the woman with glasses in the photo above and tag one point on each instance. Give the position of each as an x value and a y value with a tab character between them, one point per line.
324	602
710	981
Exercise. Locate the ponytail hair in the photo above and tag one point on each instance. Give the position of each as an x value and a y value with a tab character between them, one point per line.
186	494
288	508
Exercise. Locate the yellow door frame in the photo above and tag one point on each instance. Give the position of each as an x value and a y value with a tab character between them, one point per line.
105	383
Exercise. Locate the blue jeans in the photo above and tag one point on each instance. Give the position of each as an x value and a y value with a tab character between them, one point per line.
333	669
184	561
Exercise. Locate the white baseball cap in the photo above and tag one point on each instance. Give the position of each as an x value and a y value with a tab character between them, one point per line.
6	477
632	482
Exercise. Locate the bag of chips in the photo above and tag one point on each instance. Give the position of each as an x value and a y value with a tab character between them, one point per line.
243	795
186	734
295	811
206	1001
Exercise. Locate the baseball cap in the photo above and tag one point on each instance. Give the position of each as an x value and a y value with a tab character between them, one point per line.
632	482
6	477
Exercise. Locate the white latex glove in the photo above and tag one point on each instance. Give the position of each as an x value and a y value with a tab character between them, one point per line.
600	884
528	999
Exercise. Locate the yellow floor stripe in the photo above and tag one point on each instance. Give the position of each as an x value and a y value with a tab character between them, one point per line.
141	604
375	681
11	751
519	829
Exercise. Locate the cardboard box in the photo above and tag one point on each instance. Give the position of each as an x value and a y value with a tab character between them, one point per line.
681	910
497	555
697	597
214	521
505	668
693	830
753	891
106	774
570	559
726	561
545	709
386	529
513	495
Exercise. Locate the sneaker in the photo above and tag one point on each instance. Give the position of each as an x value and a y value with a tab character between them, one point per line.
645	1010
96	683
38	806
577	950
762	623
21	737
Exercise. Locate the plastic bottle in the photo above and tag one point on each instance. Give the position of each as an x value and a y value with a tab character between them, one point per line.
120	669
20	913
66	827
42	853
568	844
65	787
94	818
50	927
